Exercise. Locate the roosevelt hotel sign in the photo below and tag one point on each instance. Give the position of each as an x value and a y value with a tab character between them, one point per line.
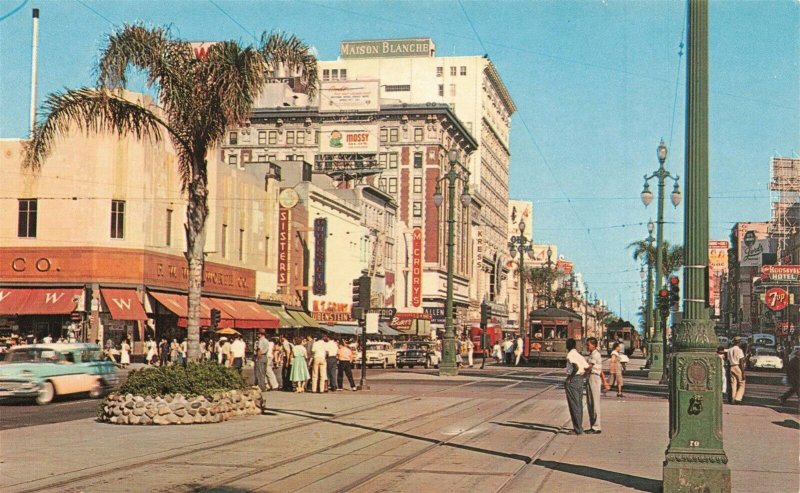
382	48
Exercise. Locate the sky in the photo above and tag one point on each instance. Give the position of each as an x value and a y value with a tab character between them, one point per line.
597	84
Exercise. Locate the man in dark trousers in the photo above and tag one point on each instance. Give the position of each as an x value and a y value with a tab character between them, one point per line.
577	369
793	376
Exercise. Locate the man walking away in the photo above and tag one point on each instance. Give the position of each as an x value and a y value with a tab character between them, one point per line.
319	366
577	367
344	359
519	345
238	348
596	379
736	360
262	351
793	376
330	361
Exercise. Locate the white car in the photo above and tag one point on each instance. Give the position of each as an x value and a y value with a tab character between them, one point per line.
766	358
378	354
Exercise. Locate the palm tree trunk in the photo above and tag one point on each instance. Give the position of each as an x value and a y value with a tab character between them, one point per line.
196	214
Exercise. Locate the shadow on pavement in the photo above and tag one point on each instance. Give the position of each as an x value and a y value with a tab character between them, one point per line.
637	482
530	426
216	489
788	423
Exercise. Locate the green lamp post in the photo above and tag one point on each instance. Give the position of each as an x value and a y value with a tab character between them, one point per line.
524	246
695	459
457	172
659	337
648	313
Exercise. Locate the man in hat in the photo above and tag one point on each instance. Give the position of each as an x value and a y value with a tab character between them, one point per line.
262	353
737	361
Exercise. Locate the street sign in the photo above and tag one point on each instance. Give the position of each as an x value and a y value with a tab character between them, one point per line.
776	298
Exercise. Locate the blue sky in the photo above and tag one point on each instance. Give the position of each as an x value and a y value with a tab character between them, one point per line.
597	85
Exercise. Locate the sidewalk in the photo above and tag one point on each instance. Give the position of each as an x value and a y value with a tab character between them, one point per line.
491	430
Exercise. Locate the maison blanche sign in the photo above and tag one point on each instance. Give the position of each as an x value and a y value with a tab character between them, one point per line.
387	48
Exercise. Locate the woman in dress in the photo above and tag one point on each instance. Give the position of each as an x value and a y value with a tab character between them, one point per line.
125	354
616	369
150	346
299	374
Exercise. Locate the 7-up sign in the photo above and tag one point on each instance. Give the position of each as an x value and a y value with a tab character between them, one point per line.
776	298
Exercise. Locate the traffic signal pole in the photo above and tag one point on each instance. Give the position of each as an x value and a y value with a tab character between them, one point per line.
362	292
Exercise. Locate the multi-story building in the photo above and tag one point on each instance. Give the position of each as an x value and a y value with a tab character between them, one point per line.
519	212
409	72
749	244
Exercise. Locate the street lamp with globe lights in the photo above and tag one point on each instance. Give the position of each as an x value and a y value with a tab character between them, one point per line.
524	246
457	171
658	346
549	279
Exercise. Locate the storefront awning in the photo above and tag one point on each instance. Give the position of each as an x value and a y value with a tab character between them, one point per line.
178	304
123	304
245	314
40	301
384	329
349	330
303	318
286	320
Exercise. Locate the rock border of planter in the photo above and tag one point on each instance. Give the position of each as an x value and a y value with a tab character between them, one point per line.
177	409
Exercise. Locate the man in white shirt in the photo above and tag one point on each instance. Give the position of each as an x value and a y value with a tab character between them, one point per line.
470	350
518	350
737	361
238	348
508	350
577	368
331	363
319	365
596	378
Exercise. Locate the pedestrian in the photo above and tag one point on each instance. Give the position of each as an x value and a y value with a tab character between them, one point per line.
125	353
615	369
519	345
470	351
344	360
150	350
238	350
597	380
47	339
577	366
792	376
737	361
497	352
723	376
260	369
508	350
286	369
272	380
319	372
227	360
277	362
459	359
183	352
174	350
331	363
164	351
299	373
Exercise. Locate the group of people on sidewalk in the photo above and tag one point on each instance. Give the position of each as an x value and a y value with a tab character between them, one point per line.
508	352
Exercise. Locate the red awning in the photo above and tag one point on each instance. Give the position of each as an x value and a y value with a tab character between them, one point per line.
245	314
11	300
178	304
47	301
123	304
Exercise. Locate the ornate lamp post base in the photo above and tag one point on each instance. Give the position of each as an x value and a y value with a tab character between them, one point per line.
695	459
656	361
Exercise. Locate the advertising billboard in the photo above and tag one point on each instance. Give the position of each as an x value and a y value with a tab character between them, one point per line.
349	95
751	239
347	139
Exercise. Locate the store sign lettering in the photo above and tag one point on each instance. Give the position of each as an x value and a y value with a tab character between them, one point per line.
416	267
20	264
283	247
320	238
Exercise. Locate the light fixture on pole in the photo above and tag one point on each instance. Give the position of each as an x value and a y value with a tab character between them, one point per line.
524	246
448	367
549	279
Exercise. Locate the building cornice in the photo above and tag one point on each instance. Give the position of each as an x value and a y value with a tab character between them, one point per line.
501	88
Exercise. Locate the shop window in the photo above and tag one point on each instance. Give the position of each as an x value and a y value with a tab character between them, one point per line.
26	227
118	219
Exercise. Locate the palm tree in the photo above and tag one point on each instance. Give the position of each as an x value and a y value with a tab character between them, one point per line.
671	261
540	277
199	98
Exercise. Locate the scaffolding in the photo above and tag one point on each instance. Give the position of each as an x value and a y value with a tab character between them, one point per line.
784	189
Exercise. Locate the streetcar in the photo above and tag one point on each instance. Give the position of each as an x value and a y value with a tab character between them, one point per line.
624	332
549	329
493	334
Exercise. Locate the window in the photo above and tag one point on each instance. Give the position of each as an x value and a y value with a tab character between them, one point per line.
26	227
326	75
224	246
335	74
398	88
394	135
417	209
418	160
417	185
384	135
441	89
463	70
393	160
382	160
273	137
233	159
418	135
241	245
266	250
439	71
382	184
262	138
290	137
232	138
272	158
453	71
118	219
452	89
301	137
392	185
262	158
343	74
169	228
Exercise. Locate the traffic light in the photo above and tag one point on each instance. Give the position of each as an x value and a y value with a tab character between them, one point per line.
663	302
674	293
214	318
362	291
486	313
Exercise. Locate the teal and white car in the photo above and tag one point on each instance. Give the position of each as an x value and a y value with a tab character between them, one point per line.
43	371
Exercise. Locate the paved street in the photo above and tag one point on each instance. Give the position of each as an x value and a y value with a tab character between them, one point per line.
497	429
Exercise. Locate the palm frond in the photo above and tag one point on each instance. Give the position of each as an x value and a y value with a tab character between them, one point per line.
285	51
90	110
235	76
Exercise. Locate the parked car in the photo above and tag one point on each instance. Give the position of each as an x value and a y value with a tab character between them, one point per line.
413	353
43	371
763	358
378	354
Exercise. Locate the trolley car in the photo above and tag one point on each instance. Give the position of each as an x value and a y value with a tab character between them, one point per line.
549	329
625	332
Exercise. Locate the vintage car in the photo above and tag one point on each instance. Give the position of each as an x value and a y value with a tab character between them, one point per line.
43	371
378	354
765	358
412	354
